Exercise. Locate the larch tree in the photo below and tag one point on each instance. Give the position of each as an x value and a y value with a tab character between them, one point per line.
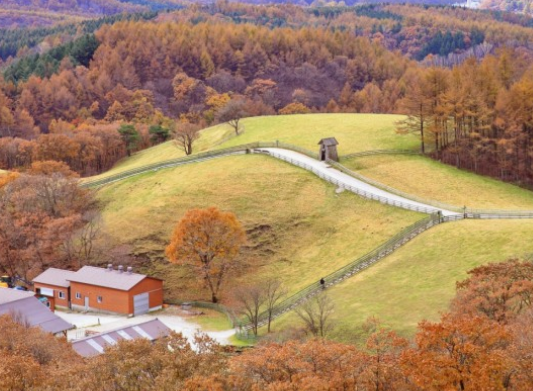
207	241
416	106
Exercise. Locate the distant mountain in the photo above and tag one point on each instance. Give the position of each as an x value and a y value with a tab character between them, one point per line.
42	13
518	6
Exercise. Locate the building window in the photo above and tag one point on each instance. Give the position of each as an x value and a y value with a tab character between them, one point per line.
99	299
78	295
61	295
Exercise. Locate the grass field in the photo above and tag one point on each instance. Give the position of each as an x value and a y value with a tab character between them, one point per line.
432	180
210	320
298	227
418	280
355	133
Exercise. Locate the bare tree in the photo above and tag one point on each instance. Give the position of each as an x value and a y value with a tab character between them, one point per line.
87	243
251	299
233	112
316	314
185	135
274	291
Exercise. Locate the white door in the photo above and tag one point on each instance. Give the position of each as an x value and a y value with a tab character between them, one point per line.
141	303
86	303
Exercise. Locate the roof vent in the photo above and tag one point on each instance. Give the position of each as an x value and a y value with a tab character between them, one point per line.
130	270
109	266
121	269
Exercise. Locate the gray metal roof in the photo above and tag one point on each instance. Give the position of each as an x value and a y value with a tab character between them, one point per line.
56	277
9	295
107	278
95	344
329	141
34	312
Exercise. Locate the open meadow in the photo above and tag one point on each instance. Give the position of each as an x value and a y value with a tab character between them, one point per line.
417	281
299	228
431	180
355	133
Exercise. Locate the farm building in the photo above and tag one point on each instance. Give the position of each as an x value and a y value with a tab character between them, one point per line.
328	149
95	344
25	307
102	290
54	285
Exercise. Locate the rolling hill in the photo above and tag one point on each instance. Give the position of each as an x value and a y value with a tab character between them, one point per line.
418	280
300	228
355	133
429	179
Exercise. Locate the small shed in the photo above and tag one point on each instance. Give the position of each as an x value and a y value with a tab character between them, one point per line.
328	149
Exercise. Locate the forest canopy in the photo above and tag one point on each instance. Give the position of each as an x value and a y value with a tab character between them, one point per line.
197	64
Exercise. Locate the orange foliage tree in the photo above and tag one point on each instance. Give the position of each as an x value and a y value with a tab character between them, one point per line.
459	353
208	242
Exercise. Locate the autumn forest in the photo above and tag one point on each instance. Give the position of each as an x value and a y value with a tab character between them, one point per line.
85	85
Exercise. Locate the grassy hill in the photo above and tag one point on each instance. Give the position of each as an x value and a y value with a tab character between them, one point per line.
355	133
427	178
298	227
418	281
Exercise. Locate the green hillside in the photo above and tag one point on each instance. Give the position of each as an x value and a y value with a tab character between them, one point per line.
418	280
355	133
301	229
298	227
429	179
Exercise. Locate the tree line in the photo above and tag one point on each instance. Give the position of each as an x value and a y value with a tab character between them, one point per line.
476	116
215	71
15	42
47	220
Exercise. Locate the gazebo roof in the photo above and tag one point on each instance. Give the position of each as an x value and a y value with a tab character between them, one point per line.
329	141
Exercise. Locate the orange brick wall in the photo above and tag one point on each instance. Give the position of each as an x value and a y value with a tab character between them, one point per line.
114	300
60	302
152	285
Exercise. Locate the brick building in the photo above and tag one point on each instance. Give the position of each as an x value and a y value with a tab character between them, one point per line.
97	289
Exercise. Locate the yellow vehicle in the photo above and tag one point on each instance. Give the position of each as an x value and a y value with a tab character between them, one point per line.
6	282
